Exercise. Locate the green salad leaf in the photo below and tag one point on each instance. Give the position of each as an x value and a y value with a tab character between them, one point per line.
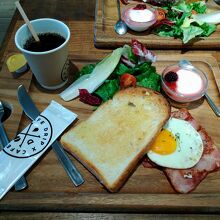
148	76
208	29
145	74
152	82
182	7
191	32
199	7
186	27
121	69
143	71
108	89
87	69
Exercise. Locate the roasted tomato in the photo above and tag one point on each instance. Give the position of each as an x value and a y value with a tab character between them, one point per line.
161	14
193	12
127	80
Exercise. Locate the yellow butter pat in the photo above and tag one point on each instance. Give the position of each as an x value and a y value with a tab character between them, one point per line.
15	62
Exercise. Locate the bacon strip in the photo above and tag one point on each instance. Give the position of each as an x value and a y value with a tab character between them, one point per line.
186	180
147	163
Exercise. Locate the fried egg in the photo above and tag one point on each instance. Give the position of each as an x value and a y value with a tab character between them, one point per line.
177	146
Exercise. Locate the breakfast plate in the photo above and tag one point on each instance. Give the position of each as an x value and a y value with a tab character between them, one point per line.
105	36
81	129
146	189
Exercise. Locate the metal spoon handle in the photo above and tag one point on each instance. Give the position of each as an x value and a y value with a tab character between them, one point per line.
71	170
119	9
3	136
212	105
21	184
217	2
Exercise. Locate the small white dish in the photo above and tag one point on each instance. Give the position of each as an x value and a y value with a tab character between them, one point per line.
188	85
139	17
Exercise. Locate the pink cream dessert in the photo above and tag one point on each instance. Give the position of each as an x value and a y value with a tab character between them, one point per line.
184	85
139	17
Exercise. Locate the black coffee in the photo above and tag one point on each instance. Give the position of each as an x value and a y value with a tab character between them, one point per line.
48	41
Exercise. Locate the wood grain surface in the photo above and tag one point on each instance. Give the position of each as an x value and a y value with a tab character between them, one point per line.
103	216
105	36
147	190
7	8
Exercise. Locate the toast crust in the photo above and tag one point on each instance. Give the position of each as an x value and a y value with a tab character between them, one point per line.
141	107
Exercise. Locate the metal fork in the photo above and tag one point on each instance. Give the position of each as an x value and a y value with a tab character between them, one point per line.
21	183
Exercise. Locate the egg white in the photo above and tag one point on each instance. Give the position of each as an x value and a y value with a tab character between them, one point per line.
189	146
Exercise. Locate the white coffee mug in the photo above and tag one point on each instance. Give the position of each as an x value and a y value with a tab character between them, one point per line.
49	67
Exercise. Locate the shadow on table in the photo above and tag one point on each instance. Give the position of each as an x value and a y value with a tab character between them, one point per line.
78	10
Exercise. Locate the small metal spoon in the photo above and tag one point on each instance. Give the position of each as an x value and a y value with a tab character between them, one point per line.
120	26
217	2
212	105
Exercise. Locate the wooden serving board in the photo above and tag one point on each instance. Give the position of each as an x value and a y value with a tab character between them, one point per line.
105	36
147	190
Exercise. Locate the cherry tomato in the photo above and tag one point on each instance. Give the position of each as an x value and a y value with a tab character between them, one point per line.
193	12
161	14
127	80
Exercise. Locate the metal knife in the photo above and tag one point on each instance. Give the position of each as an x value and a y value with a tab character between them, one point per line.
32	112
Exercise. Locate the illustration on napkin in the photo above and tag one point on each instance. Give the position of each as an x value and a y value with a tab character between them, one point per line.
32	140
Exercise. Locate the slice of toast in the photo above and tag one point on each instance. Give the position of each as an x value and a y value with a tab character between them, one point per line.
117	135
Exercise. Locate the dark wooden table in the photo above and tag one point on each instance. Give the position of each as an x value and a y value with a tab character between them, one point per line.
62	201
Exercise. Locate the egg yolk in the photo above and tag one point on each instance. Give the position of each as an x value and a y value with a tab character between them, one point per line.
165	143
